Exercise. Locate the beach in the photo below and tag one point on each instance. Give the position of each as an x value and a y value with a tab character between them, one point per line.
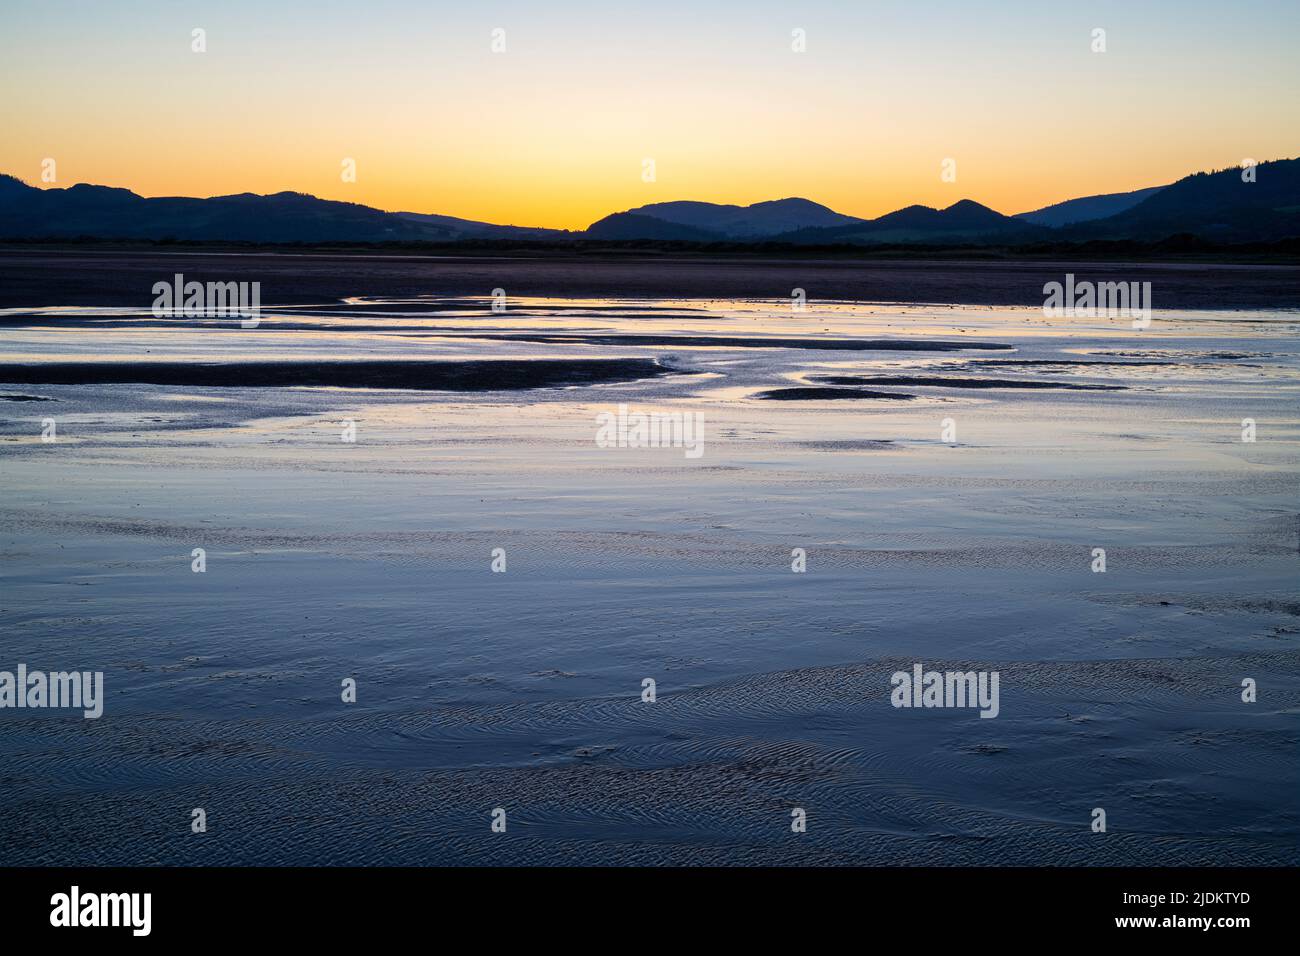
393	484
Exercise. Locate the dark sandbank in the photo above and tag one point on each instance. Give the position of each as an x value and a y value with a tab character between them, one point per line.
805	394
452	376
1047	363
754	342
940	382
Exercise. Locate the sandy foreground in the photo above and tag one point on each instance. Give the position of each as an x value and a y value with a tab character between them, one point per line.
955	528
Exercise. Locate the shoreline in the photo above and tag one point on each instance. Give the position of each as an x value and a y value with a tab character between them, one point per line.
36	277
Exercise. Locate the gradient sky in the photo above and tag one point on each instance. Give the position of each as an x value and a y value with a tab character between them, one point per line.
553	131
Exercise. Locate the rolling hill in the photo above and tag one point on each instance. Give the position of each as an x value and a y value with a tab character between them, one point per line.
1087	208
109	213
760	220
962	222
1217	207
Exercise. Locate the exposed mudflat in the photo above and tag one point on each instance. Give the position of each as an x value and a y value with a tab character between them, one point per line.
103	276
815	394
354	469
937	381
448	376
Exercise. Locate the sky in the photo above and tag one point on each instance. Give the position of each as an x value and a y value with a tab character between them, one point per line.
555	129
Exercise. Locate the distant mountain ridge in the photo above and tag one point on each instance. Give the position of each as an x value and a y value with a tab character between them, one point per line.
631	225
108	212
471	229
771	218
1221	206
965	220
1087	208
101	211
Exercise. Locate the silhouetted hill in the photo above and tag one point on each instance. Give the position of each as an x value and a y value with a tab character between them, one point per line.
1217	206
759	220
100	211
965	221
627	225
12	185
85	210
1086	209
1213	207
471	229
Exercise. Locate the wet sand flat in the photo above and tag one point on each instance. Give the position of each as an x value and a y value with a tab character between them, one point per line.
353	533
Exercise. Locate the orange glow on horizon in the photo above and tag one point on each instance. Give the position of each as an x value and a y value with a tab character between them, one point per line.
552	130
